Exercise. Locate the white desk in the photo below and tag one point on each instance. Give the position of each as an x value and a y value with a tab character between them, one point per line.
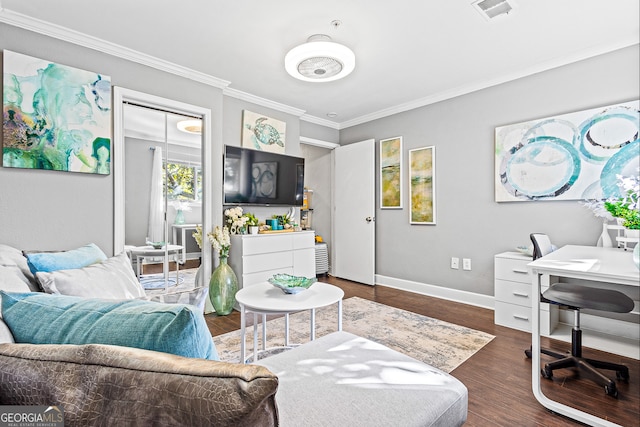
610	265
183	233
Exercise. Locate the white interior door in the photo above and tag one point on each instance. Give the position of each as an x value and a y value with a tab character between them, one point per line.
354	212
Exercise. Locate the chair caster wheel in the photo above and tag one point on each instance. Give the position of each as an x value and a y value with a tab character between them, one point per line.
546	373
611	390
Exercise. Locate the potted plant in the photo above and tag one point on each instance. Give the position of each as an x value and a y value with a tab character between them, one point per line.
251	222
627	207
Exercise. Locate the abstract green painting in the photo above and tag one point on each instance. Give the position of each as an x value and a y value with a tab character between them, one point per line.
55	117
391	173
422	171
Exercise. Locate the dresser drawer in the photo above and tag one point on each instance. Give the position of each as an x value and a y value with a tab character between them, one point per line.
304	240
513	292
263	276
264	262
514	270
267	243
513	316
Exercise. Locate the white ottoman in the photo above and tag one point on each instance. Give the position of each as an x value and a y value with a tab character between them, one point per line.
342	379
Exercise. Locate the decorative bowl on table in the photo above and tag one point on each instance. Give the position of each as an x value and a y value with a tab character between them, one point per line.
292	284
156	245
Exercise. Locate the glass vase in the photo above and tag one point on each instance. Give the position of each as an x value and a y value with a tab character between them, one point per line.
222	288
179	217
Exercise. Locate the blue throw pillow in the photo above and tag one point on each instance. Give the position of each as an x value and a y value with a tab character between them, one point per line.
67	260
38	318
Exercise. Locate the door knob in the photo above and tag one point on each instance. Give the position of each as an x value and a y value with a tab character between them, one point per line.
369	219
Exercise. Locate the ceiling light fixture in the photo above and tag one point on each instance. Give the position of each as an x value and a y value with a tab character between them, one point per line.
491	9
320	60
190	126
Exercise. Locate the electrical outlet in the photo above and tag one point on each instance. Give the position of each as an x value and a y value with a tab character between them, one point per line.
455	263
466	263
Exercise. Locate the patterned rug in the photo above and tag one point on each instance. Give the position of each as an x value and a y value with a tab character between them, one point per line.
434	342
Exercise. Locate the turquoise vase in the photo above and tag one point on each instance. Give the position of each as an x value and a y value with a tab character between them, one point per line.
222	288
179	217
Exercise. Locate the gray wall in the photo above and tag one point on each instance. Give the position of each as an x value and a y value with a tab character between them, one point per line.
54	210
315	131
470	223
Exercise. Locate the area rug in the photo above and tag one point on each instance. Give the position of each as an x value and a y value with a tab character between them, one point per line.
434	342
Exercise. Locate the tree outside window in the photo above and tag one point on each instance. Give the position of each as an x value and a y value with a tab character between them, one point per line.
184	182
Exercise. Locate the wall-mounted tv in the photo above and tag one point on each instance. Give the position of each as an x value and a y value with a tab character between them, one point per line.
253	177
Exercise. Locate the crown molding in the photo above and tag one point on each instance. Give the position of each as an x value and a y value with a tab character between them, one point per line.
244	96
631	40
321	122
62	33
318	142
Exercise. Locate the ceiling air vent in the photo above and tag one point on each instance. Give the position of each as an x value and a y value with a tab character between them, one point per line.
491	9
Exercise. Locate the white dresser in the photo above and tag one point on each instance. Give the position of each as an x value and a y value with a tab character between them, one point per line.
256	257
513	293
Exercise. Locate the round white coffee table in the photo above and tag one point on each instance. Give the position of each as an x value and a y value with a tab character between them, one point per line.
264	298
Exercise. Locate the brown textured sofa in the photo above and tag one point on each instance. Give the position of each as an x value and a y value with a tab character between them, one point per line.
101	385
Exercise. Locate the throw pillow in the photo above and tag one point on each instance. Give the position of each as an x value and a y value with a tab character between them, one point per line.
12	258
11	281
5	333
75	258
112	278
61	319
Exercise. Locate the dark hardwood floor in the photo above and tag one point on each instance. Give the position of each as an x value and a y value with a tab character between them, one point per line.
498	376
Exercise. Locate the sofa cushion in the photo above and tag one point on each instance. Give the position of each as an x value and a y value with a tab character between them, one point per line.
110	385
5	333
11	280
12	261
60	319
75	258
112	278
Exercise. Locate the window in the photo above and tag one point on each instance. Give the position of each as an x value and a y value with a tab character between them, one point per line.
184	182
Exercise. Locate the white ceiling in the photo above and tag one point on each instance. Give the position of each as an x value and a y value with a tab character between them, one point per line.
408	52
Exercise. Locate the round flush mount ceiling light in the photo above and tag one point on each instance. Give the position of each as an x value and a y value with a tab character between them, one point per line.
190	126
320	60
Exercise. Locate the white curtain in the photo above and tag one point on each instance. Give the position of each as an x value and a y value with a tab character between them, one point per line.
155	232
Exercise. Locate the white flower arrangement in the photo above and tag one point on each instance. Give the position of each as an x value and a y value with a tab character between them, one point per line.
181	205
625	208
235	220
219	238
598	209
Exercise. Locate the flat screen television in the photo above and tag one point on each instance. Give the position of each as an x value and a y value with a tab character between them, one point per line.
253	177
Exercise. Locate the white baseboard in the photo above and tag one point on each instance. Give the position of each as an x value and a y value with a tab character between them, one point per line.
478	300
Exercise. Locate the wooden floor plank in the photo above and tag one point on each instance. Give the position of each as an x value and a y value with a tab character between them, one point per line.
498	376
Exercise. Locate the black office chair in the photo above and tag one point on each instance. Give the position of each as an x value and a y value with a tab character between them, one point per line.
576	297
